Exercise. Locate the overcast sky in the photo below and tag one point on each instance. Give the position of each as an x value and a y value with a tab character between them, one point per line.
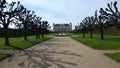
64	11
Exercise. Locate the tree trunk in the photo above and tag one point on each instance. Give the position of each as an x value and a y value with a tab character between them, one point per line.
37	33
42	33
83	34
25	31
102	34
6	35
91	34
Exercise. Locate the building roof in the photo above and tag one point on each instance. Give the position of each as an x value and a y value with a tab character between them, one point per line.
62	24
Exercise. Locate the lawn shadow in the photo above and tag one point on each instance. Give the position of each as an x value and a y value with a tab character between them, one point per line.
14	47
18	48
113	39
30	41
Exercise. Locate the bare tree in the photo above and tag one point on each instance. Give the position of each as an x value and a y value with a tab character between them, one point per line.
44	26
25	16
36	24
83	27
7	15
90	21
112	13
100	21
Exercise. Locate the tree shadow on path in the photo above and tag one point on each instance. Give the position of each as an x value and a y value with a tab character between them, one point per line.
41	58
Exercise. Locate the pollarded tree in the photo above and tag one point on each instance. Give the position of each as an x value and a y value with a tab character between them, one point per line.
44	26
112	13
100	21
90	22
76	30
83	27
36	24
25	16
7	15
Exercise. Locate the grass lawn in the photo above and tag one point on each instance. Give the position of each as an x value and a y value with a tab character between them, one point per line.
3	56
114	56
19	43
109	43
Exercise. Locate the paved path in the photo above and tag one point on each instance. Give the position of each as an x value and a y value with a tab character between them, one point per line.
59	52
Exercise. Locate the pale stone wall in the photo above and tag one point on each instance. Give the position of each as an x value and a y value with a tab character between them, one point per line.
62	27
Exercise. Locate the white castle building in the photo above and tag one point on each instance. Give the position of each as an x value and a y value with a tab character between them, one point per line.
62	27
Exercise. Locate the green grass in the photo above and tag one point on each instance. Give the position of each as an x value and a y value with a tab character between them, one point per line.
3	56
109	43
114	56
19	43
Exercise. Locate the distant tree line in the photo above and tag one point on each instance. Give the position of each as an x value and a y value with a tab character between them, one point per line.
16	32
107	17
24	20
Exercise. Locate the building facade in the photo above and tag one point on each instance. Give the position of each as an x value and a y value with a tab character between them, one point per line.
62	27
